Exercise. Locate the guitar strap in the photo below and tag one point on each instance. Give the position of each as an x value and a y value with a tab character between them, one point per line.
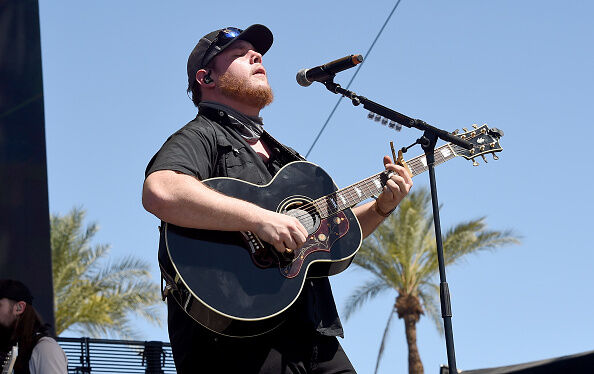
286	154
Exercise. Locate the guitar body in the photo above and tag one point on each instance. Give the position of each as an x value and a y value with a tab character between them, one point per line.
236	285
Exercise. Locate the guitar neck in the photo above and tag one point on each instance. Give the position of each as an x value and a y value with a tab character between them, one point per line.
418	165
8	364
352	195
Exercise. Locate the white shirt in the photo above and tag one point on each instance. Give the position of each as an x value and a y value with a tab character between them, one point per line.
48	358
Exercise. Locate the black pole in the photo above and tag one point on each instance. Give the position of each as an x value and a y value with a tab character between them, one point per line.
153	358
25	253
428	142
393	115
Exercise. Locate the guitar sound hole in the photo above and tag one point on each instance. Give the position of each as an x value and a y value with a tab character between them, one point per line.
307	215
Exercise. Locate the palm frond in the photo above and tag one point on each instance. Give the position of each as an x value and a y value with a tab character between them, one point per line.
362	294
401	253
385	335
92	295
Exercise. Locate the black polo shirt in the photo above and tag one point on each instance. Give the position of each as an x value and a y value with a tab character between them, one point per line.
208	147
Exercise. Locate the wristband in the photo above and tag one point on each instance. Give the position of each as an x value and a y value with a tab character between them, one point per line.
378	211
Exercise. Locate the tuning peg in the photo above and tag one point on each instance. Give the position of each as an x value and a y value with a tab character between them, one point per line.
465	129
475	125
377	118
370	115
474	162
384	121
496	132
484	158
455	132
495	157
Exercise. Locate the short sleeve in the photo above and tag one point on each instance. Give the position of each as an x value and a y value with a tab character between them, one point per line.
48	358
192	150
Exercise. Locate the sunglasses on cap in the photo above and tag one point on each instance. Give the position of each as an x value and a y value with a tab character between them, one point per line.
224	36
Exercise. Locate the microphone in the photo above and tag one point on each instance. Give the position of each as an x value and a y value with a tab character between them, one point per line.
326	72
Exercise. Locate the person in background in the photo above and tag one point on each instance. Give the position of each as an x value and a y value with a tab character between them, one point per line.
38	353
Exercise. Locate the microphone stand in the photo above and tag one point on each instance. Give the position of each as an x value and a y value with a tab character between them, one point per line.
427	142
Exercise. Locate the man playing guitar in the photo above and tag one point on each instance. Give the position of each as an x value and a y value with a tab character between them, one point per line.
229	86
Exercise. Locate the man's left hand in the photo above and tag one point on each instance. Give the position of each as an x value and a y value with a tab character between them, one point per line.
395	189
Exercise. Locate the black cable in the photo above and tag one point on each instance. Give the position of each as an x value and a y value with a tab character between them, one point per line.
352	78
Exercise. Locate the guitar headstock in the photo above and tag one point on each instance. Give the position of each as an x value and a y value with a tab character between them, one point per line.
483	139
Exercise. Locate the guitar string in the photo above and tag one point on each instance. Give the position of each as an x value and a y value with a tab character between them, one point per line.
417	166
348	193
366	186
319	204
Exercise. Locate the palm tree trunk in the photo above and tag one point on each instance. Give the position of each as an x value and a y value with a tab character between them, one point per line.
415	366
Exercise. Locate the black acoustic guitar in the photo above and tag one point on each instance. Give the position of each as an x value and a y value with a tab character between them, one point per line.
237	285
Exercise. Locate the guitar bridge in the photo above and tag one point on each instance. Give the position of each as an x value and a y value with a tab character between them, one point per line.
253	242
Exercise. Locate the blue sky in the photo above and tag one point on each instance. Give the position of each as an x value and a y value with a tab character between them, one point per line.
114	84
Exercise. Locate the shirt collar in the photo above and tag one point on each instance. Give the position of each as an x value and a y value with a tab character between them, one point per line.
250	128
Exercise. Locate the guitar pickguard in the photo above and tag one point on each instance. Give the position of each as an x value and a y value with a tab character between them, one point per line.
331	229
265	256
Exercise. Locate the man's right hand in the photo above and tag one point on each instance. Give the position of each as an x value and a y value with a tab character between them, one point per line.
184	201
282	231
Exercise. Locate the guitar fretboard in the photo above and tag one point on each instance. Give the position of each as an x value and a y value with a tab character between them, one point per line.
373	186
351	195
418	165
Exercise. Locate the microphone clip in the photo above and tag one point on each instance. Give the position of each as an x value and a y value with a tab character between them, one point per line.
337	89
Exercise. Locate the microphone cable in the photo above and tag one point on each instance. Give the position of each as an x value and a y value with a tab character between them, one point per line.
352	78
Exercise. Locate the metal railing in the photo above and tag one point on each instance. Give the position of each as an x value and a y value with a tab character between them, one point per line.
86	355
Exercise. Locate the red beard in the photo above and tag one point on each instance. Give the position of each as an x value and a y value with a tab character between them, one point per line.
241	90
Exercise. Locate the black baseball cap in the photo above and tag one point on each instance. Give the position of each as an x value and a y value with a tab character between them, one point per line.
15	290
215	42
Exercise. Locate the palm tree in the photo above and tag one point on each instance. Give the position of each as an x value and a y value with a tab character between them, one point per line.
401	255
94	296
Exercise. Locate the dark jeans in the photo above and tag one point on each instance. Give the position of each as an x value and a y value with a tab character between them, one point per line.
286	350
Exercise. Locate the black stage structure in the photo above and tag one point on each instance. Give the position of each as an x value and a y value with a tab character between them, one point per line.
572	364
87	355
24	219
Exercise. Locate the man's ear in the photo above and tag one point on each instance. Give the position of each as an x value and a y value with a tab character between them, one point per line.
19	307
204	79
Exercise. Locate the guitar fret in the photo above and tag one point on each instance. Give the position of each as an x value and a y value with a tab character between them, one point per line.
442	154
354	194
350	196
